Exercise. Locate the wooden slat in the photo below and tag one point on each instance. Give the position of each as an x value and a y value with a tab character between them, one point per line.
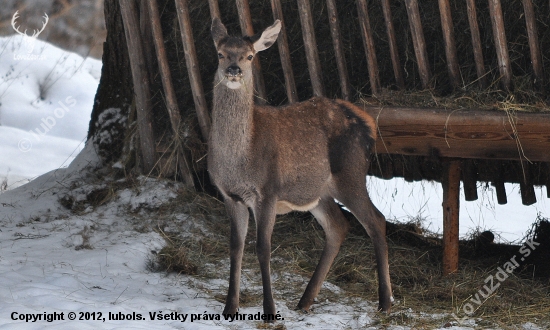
310	45
245	20
476	43
468	133
141	82
502	199
394	52
501	45
536	57
368	42
451	207
419	42
284	53
169	93
469	178
214	9
193	68
450	46
338	49
526	188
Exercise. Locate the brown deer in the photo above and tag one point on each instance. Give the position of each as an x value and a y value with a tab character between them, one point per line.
298	157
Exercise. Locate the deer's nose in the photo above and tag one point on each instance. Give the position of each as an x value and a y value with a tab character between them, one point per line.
233	71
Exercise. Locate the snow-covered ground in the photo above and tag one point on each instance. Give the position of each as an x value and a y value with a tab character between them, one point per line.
94	263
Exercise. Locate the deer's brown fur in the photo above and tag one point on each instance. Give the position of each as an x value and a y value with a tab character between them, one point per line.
274	160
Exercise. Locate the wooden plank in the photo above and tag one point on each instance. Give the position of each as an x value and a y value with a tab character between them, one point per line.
469	179
451	207
310	45
394	52
476	43
214	9
193	68
368	43
245	20
468	133
141	83
501	45
526	188
169	92
502	199
419	42
338	49
284	53
536	57
450	46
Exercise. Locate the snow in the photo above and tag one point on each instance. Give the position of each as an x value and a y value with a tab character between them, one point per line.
95	261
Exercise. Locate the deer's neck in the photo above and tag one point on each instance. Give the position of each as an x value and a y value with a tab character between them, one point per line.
232	119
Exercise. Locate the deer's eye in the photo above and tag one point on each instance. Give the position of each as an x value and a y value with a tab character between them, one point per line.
220	55
250	57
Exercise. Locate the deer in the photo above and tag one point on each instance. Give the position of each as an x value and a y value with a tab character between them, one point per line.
297	157
29	41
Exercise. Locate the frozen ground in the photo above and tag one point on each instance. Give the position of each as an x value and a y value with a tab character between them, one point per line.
95	263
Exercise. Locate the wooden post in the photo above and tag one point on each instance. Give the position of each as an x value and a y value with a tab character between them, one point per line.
245	21
499	35
469	179
193	68
450	47
451	208
169	93
284	52
394	52
338	49
368	42
476	43
214	9
419	42
310	45
536	57
129	13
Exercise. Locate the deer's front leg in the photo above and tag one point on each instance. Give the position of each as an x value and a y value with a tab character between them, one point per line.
265	220
238	213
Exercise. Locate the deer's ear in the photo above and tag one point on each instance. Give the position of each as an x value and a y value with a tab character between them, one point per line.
268	37
218	31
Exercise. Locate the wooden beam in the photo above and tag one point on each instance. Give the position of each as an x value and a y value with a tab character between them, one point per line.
536	57
310	45
169	92
476	43
394	52
214	9
338	49
284	53
467	133
193	68
368	43
451	207
501	44
141	83
419	43
450	46
245	20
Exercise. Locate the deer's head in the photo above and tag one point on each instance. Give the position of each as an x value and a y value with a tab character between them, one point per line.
235	54
29	41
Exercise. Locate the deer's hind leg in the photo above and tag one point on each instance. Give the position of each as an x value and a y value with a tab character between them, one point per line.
336	227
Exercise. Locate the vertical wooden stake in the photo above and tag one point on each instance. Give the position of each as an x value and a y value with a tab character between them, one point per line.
214	8
476	43
140	79
419	42
368	42
310	44
193	68
501	45
449	38
284	53
536	57
394	52
451	207
245	20
338	49
169	93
